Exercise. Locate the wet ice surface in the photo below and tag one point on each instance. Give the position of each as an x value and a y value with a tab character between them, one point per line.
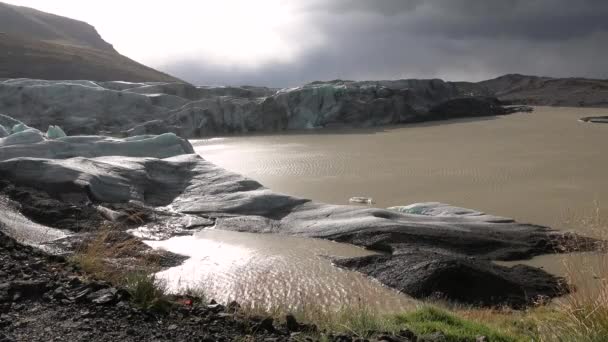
268	271
24	230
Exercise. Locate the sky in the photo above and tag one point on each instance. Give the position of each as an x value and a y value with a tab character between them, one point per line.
285	43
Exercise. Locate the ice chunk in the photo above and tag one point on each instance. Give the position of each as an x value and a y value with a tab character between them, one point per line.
20	127
28	136
4	132
435	209
361	200
8	122
447	210
55	132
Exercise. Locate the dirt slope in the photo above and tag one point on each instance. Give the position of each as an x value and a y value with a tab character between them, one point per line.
35	44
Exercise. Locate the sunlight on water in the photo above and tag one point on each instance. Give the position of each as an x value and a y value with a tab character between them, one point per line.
267	271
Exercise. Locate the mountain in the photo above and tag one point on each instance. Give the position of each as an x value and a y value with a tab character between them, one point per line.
546	91
35	44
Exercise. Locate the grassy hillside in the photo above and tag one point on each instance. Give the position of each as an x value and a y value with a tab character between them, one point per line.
34	44
27	58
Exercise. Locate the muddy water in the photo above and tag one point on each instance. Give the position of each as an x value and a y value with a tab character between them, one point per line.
271	271
545	168
541	168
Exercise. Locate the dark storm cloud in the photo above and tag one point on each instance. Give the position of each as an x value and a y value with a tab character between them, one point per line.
453	39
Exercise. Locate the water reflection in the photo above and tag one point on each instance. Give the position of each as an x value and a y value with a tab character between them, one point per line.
269	271
534	167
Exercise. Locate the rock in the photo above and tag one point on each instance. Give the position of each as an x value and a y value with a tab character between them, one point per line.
59	294
291	323
592	119
408	334
266	324
461	279
434	337
215	308
27	288
391	338
466	107
342	338
104	296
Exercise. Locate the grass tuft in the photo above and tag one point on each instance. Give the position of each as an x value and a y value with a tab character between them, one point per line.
582	315
147	292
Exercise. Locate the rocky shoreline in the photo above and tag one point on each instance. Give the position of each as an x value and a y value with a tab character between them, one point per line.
45	298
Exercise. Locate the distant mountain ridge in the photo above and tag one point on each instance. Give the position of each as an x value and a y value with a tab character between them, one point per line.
35	44
33	24
546	91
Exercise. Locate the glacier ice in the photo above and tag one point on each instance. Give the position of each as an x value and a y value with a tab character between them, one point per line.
20	127
30	142
28	136
55	132
3	132
446	210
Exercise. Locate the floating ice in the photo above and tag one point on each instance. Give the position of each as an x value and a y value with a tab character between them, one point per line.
361	200
55	132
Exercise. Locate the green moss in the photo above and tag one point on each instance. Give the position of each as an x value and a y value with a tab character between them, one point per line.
430	320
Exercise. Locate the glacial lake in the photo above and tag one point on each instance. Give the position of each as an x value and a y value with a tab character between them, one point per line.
544	167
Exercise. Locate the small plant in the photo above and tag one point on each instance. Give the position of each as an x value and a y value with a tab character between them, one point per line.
147	292
583	314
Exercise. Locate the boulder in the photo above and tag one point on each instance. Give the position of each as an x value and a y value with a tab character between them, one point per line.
595	119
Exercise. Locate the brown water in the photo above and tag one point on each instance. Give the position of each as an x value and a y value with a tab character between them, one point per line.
542	168
545	168
274	272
